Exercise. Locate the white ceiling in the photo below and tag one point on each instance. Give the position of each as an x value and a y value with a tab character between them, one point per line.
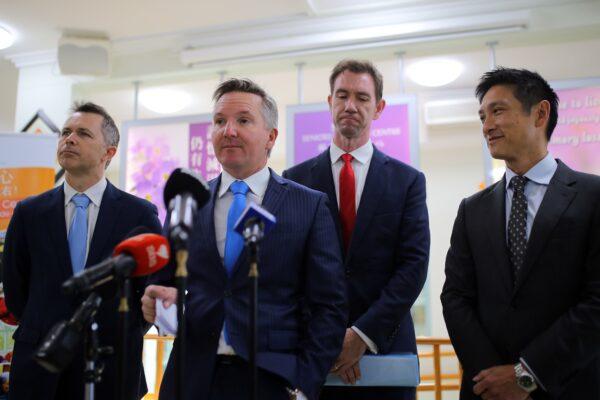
155	37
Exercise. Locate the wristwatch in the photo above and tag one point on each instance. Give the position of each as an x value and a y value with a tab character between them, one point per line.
524	379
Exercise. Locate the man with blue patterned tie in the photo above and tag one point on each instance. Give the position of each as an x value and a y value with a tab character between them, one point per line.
522	293
301	298
57	234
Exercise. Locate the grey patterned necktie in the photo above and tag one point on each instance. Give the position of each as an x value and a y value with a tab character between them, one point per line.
517	224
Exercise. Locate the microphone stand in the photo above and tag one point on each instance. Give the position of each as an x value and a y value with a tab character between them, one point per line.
253	233
181	274
124	288
93	351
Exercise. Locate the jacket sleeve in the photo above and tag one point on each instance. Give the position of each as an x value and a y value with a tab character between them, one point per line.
326	303
16	264
459	300
381	320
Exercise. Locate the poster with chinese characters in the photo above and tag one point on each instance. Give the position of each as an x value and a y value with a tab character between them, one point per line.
26	169
155	147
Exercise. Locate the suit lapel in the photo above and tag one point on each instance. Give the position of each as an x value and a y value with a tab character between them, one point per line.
374	187
275	193
55	220
105	224
206	222
496	230
556	200
322	178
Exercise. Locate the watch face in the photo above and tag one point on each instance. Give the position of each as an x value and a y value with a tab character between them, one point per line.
525	381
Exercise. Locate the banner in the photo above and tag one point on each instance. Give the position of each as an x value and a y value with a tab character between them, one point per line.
155	147
27	163
310	130
576	139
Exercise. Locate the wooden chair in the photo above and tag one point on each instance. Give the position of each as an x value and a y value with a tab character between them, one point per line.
438	382
160	355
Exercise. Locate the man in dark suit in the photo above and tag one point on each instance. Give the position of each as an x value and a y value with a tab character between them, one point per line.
522	293
58	233
379	207
301	306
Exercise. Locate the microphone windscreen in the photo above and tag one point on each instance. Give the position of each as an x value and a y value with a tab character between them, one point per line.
183	180
150	251
258	213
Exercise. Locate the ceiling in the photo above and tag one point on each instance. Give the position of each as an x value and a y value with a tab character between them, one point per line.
154	37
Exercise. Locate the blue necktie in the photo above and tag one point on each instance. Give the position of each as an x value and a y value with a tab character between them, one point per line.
234	242
78	232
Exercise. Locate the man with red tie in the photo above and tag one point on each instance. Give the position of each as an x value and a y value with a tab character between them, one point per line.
378	204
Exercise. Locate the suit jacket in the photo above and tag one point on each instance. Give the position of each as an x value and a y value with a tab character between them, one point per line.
37	262
386	262
299	269
551	316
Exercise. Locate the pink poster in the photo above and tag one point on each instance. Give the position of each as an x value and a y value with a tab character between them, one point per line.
576	139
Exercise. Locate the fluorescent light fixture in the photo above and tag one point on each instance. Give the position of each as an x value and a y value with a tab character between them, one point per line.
434	72
7	38
164	101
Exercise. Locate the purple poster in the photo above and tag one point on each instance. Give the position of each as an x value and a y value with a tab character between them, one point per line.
390	133
202	155
576	139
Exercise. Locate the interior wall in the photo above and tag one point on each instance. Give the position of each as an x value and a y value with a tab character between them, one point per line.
9	76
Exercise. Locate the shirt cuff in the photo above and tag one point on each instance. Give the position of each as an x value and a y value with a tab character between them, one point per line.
537	381
300	396
370	344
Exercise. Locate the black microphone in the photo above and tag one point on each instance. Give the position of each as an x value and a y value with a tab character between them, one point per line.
61	343
184	193
254	223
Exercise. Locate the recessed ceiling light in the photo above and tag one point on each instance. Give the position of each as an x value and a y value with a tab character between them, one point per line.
165	101
7	38
434	72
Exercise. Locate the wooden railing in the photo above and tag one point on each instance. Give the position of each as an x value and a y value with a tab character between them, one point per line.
437	382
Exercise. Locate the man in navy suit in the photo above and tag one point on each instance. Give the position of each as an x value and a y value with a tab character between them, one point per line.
52	236
301	298
522	293
379	207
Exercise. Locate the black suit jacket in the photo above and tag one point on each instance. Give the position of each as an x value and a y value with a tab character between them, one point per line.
551	316
386	262
37	262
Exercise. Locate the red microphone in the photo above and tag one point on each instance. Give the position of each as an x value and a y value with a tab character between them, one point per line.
137	256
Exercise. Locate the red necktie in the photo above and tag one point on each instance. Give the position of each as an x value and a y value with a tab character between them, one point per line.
347	199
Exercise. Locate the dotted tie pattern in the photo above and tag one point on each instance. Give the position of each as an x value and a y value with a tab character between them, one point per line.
517	224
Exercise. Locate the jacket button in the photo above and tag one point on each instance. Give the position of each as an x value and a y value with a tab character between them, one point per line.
227	293
347	272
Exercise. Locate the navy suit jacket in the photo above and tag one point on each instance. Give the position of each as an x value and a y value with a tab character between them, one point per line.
37	262
551	316
386	262
301	300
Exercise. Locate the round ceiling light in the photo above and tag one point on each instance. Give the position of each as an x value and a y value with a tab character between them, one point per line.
164	101
7	38
434	72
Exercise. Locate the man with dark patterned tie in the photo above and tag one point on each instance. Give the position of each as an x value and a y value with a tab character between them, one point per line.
379	206
301	296
522	293
57	234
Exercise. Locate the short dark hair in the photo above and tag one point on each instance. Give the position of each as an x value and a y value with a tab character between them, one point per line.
358	67
528	87
269	106
109	128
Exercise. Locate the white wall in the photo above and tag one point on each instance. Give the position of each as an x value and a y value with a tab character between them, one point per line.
8	95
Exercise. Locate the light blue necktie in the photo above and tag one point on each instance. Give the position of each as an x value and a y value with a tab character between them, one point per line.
234	242
78	232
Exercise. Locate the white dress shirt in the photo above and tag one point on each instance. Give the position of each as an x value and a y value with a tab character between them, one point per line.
360	164
95	194
258	186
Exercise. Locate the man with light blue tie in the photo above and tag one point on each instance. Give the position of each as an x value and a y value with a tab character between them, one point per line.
301	295
56	235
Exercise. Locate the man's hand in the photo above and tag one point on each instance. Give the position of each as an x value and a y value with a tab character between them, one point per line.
498	383
167	294
346	366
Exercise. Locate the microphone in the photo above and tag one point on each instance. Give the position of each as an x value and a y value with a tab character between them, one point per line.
137	256
254	223
185	192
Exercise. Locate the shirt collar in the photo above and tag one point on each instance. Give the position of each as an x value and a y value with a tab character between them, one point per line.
257	182
94	192
363	154
541	173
